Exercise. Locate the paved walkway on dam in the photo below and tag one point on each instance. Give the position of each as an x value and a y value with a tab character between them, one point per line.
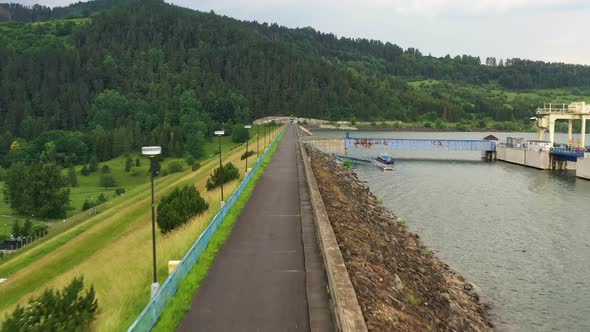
261	277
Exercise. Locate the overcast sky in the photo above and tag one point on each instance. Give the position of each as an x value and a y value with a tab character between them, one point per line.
549	30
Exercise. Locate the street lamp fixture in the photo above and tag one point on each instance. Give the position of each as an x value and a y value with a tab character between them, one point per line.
248	128
220	133
151	152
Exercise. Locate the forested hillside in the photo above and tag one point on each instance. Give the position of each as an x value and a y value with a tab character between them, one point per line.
105	77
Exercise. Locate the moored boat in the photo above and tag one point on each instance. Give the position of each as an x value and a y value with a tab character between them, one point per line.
384	158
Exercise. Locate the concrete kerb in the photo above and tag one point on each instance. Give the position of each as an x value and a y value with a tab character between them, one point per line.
347	311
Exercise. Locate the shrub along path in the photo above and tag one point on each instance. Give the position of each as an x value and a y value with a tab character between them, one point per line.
257	281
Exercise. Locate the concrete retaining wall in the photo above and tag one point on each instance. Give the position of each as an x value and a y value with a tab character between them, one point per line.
500	152
583	168
530	158
517	156
347	311
326	144
537	159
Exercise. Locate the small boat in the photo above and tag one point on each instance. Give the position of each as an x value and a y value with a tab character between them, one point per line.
384	158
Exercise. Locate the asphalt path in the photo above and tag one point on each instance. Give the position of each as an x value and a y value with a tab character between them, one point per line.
258	279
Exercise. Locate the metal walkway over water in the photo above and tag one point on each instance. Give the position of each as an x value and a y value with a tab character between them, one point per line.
418	144
364	161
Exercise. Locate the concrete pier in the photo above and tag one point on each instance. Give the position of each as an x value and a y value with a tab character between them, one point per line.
583	167
530	158
542	160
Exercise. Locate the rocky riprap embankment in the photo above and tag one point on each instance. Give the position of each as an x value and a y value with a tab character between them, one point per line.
399	284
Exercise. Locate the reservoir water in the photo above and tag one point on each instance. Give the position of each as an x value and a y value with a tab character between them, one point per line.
521	235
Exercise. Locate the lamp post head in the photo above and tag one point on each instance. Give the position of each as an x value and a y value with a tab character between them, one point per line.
151	151
219	132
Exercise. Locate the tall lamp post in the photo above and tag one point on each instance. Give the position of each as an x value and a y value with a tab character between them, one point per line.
247	128
220	133
152	152
258	142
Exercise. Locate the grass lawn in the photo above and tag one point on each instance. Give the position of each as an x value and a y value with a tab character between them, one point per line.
4	208
5	226
112	249
89	186
178	306
89	190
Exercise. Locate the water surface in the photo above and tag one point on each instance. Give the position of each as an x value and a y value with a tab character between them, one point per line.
521	235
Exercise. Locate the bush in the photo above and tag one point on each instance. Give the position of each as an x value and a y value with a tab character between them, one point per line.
88	204
128	164
190	160
230	172
27	230
196	166
137	162
347	163
179	207
442	125
462	126
55	310
239	134
39	230
107	180
247	154
72	178
85	171
174	167
101	198
105	169
119	191
93	164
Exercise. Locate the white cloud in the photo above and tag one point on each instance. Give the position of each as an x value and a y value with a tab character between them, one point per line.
466	7
501	28
401	7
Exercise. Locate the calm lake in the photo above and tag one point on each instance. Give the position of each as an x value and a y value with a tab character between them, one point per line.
521	235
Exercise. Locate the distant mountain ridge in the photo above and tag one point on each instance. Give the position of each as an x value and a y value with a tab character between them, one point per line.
148	72
39	13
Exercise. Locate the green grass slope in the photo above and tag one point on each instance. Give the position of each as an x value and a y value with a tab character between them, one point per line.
112	250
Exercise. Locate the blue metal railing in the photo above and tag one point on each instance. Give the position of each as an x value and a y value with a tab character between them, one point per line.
151	313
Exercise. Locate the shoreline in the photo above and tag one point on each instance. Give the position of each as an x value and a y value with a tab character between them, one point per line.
400	284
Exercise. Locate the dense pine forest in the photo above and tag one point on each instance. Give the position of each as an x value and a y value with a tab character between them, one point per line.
99	79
